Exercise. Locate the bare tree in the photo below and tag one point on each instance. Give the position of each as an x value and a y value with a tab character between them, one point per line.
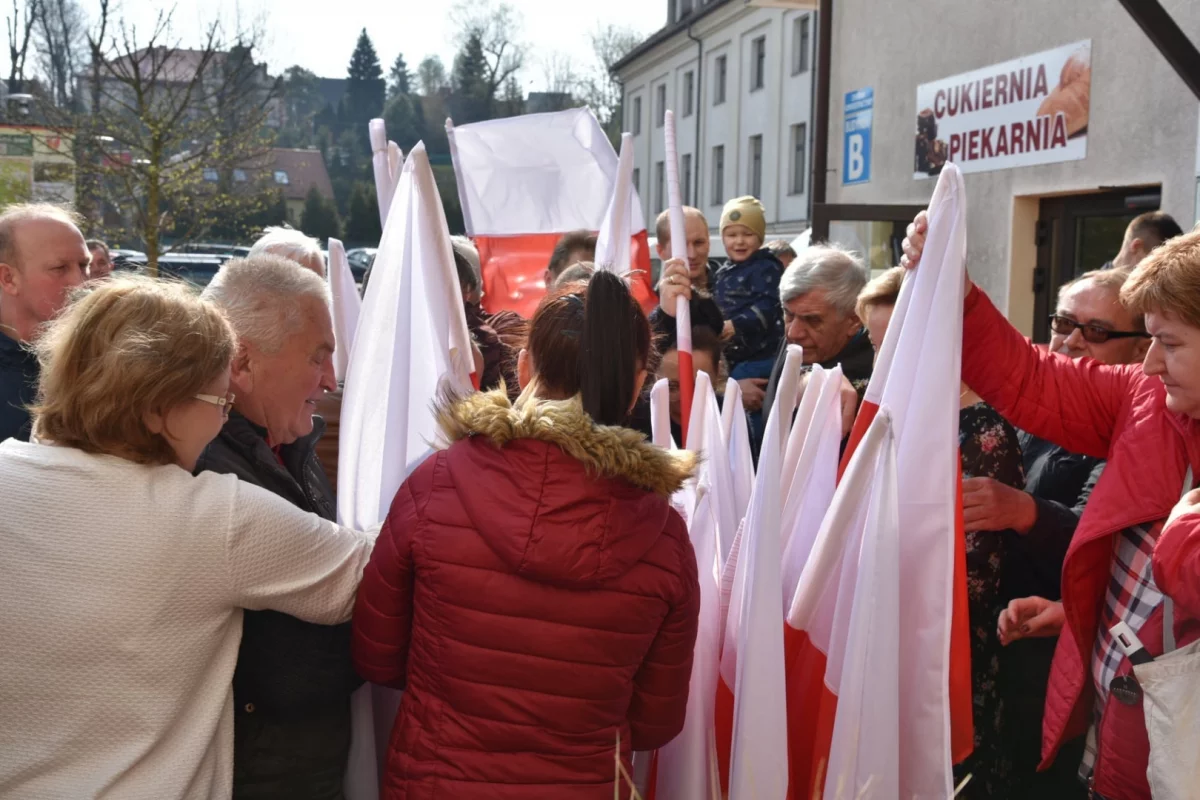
175	136
601	89
19	33
431	76
61	36
498	26
559	73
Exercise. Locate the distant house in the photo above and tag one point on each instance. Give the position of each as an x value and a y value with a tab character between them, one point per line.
332	90
296	172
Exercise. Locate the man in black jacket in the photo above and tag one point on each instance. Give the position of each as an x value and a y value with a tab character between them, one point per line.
819	292
42	257
293	680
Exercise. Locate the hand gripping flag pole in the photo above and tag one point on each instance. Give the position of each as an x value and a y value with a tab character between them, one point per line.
683	311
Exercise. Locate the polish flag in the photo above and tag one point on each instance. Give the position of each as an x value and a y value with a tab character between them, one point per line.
413	341
741	459
751	721
525	181
917	377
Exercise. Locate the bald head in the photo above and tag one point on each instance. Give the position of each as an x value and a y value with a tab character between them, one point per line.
42	257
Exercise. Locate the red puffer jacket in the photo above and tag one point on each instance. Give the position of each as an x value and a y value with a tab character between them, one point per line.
1118	413
535	595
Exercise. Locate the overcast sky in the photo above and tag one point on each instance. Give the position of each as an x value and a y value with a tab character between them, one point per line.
320	34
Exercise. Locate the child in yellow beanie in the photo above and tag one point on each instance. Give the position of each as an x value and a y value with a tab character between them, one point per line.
747	290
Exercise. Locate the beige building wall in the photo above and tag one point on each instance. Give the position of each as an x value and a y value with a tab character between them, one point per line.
1142	126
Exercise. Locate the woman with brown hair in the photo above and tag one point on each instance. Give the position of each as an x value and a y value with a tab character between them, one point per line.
124	577
533	591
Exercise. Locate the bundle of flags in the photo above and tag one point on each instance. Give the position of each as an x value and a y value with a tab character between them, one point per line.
831	658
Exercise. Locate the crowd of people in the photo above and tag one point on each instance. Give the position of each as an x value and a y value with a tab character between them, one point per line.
185	618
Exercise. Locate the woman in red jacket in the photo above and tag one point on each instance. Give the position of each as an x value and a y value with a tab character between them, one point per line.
532	590
1144	420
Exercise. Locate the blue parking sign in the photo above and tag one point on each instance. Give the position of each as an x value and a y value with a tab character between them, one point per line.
856	143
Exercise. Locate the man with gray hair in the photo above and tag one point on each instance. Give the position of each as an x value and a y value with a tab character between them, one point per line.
819	292
293	245
293	680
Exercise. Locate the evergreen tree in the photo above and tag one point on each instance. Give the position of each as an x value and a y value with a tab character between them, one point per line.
362	224
404	121
471	100
365	87
320	217
400	81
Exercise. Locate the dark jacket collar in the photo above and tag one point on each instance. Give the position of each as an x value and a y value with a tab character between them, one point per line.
857	357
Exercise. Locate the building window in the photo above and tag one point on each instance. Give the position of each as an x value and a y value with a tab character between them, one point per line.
722	70
660	181
685	8
211	175
637	181
685	178
239	175
755	187
660	101
281	177
758	66
689	92
800	44
799	157
718	171
637	116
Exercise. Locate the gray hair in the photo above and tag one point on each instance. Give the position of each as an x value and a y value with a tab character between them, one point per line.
261	297
291	244
467	250
840	272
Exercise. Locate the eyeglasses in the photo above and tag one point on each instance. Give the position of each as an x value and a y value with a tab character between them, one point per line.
1065	326
224	403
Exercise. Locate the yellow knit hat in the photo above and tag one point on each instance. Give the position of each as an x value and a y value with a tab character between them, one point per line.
745	211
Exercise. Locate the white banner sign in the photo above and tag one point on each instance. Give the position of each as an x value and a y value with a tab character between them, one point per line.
1032	110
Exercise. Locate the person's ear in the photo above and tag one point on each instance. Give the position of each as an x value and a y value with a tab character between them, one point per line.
1137	249
548	278
241	370
10	279
639	381
524	369
154	422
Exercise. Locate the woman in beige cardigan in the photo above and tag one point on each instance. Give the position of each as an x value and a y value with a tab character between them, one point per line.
124	577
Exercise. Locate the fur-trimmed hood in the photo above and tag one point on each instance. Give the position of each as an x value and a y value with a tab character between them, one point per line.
560	499
606	451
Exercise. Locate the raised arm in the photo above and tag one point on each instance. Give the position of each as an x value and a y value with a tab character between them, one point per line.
280	558
1073	403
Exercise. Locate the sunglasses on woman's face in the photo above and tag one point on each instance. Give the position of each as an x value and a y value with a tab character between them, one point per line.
224	403
1065	326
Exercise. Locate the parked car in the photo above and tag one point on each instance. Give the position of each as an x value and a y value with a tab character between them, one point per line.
197	269
225	251
361	259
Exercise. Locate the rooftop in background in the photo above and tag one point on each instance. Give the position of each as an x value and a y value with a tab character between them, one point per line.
680	14
297	171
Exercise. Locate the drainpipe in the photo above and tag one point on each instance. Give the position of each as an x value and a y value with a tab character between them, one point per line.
821	113
699	101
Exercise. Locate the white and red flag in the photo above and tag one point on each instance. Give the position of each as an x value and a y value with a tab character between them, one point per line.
413	340
917	378
525	181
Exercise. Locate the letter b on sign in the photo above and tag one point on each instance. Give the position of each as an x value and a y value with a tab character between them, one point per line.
856	161
856	140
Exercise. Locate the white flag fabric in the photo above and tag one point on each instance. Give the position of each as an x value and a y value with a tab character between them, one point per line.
612	243
385	158
686	766
809	492
758	767
864	754
347	307
537	173
741	458
660	415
